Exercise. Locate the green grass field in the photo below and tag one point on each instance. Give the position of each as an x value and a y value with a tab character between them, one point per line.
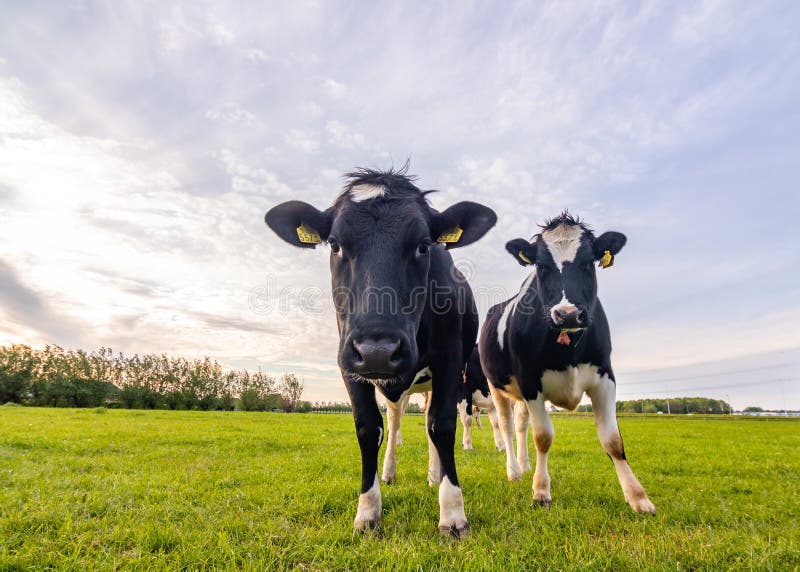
85	490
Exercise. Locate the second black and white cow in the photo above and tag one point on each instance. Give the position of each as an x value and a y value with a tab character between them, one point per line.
402	309
472	396
552	342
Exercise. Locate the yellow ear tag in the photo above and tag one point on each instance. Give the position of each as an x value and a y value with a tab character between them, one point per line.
607	260
524	258
308	235
452	235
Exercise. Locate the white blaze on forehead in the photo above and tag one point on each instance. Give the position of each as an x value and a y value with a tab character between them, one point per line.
361	193
563	242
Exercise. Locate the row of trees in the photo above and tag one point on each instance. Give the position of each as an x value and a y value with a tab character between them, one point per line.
672	405
57	377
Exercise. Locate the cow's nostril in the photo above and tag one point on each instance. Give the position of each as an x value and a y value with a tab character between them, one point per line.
357	354
397	354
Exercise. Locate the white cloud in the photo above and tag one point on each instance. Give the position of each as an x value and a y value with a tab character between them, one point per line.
334	89
255	55
230	113
302	140
343	136
219	32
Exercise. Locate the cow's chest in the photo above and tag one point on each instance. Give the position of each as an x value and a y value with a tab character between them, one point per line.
565	388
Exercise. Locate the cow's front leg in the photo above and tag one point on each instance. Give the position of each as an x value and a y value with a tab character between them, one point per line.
394	414
506	427
543	434
369	429
466	421
521	428
442	432
603	397
434	464
403	405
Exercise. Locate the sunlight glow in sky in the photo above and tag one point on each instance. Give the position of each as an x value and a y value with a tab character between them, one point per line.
142	143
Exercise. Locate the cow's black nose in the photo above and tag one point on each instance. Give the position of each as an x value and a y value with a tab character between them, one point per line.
377	358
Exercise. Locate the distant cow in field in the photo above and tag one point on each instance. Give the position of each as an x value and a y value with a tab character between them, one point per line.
403	310
552	342
474	395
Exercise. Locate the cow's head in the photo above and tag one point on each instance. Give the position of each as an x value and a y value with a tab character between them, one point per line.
565	253
381	232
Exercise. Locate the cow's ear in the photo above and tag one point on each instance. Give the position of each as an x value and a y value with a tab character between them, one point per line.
606	246
299	223
462	224
523	251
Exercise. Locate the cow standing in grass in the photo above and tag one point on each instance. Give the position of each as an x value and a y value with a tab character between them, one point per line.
403	311
552	342
474	395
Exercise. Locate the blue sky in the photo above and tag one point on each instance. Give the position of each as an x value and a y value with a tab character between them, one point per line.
142	143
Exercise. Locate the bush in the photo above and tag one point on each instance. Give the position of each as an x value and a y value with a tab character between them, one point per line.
73	378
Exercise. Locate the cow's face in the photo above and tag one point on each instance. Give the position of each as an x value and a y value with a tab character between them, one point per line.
381	235
565	253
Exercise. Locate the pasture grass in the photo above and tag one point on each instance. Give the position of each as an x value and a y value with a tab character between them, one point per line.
194	490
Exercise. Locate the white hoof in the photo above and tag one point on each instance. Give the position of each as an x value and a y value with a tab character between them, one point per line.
452	520
368	515
643	505
542	498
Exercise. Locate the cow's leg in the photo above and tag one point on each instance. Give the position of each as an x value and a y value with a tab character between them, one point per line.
369	429
434	464
476	413
394	413
603	397
498	437
442	431
521	427
403	404
506	426
543	434
466	421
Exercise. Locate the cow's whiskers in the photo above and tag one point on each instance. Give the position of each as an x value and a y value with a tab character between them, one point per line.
379	382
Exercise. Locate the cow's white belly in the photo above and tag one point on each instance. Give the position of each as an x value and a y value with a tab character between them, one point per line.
565	388
481	400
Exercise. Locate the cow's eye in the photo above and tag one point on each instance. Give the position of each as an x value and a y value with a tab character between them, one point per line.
334	245
424	248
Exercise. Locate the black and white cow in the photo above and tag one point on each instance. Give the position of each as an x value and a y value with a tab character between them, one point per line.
403	311
473	395
552	342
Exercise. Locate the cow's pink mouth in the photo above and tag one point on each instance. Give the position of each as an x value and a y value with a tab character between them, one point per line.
563	338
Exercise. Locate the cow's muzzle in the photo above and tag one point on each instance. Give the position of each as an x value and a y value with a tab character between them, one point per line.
569	317
376	358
